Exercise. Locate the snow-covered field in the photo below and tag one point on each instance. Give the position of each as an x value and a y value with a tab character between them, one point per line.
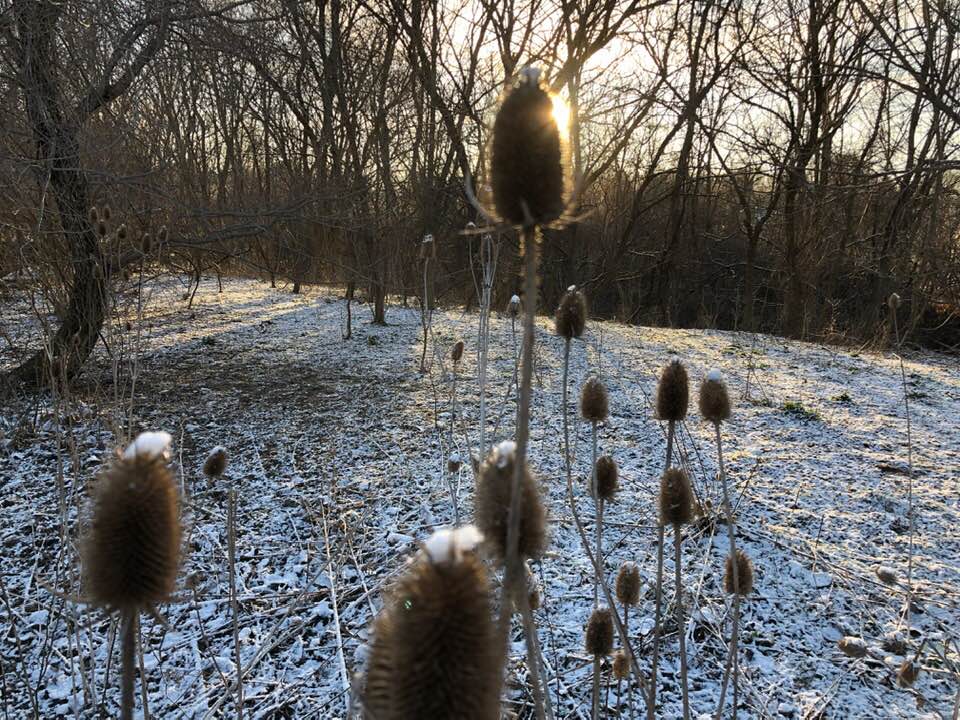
338	450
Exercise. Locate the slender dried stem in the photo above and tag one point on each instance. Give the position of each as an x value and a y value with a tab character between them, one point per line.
658	613
735	630
678	611
513	574
598	504
234	607
127	663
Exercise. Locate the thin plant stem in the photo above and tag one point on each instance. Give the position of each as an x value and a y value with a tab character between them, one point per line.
581	531
127	663
596	688
234	607
735	630
658	613
598	504
143	674
678	611
630	658
534	656
513	574
906	406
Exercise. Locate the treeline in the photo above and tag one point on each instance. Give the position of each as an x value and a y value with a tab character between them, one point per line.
781	166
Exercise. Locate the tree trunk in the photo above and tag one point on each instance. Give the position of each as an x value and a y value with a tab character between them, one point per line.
379	292
58	151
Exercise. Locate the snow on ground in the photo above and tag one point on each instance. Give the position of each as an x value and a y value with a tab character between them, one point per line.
338	451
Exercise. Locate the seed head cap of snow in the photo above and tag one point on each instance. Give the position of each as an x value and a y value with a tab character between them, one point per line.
435	651
492	505
131	553
216	462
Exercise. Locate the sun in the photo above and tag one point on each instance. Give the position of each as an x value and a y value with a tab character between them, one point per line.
561	114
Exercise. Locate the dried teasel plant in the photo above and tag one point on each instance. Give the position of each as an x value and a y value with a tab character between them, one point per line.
436	651
628	595
131	552
216	463
672	399
595	407
738	576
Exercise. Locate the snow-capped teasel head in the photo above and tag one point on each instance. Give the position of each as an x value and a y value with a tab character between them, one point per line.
471	226
216	462
515	300
570	318
530	74
572	288
714	398
513	307
428	238
149	444
715	375
449	545
503	453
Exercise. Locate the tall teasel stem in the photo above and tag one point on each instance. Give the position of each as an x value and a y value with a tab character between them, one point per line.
735	629
658	612
128	639
599	507
681	630
488	255
513	574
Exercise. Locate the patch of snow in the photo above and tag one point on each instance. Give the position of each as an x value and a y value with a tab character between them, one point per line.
450	544
149	444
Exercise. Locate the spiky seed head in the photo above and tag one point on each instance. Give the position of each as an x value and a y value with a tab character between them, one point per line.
852	646
744	574
216	462
435	652
102	229
513	307
893	642
163	235
887	575
428	248
456	352
146	242
676	497
528	172
94	216
607	478
673	392
131	553
531	587
893	302
599	636
106	213
714	398
621	665
492	505
908	673
594	401
628	584
571	316
122	232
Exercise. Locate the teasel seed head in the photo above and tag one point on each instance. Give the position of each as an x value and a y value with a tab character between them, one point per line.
673	392
454	462
599	636
216	462
893	302
106	213
628	584
908	673
594	401
607	478
744	574
513	307
94	216
529	174
428	248
122	232
456	352
853	647
571	316
436	652
714	398
676	497
887	575
531	587
163	235
146	242
131	553
102	229
621	665
492	505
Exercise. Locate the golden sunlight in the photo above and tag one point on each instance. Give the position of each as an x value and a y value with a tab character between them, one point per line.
561	114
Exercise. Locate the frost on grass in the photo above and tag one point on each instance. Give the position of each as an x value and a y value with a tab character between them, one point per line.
336	450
